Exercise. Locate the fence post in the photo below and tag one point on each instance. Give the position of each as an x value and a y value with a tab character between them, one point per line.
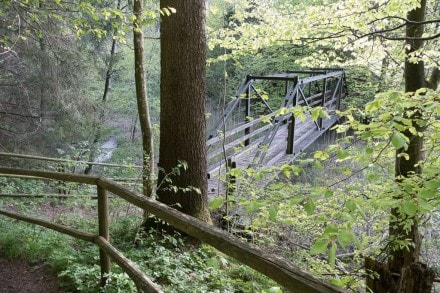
103	223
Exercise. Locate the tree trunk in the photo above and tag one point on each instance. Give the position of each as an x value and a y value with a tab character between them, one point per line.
142	100
416	278
182	115
414	80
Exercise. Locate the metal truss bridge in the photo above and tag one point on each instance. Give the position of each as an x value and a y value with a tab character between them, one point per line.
253	132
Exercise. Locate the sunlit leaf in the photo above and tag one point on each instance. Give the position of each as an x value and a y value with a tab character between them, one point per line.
216	203
320	246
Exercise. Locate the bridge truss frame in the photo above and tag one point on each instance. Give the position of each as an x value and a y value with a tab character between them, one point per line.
324	87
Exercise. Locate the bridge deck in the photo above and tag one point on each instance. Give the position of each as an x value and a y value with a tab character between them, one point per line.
306	134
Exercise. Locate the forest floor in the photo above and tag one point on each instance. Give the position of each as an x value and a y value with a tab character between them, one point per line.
18	276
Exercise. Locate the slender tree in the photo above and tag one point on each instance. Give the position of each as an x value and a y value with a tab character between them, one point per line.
182	115
102	107
142	100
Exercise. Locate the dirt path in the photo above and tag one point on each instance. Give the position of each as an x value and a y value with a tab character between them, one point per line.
17	276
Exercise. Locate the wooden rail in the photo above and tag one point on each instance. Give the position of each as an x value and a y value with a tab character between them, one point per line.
13	155
281	271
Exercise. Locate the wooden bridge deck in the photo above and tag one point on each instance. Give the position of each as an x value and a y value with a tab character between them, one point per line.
306	135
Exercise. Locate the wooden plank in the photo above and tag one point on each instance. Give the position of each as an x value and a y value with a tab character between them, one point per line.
138	277
283	272
56	227
243	150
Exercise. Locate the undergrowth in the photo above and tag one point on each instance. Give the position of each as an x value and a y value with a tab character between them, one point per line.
166	258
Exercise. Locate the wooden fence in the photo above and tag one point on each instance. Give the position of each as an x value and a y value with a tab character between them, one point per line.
286	274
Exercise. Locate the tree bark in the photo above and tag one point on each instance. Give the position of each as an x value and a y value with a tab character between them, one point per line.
142	101
182	115
414	79
416	278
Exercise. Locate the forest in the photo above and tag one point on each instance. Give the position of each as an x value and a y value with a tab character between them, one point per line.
222	145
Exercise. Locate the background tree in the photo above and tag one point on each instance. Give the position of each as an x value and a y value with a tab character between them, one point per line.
142	100
182	115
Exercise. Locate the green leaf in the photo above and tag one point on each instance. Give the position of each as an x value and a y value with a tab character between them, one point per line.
296	169
316	113
345	237
322	155
296	200
309	206
254	206
236	172
216	203
273	211
332	254
331	229
328	193
213	262
342	154
409	208
277	186
372	106
399	141
320	246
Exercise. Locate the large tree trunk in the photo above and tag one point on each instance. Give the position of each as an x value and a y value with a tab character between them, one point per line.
142	101
182	115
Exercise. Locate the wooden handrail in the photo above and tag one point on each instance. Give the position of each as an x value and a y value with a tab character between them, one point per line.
238	129
281	271
59	228
4	154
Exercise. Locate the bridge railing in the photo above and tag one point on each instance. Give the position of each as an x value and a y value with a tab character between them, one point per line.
281	271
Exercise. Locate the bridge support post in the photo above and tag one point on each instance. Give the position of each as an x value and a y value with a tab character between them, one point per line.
291	127
248	114
323	101
231	180
103	223
340	91
290	135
